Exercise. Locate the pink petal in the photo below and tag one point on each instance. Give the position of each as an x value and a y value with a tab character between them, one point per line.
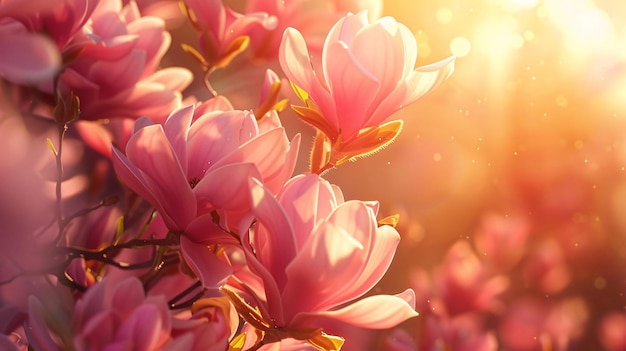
28	58
213	137
272	293
225	188
171	78
386	59
119	73
376	312
419	83
353	89
307	200
268	152
206	266
296	64
176	128
151	152
274	242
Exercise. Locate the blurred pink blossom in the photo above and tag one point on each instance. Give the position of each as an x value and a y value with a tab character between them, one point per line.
359	85
115	73
465	284
540	324
612	331
316	253
117	315
223	32
501	240
312	18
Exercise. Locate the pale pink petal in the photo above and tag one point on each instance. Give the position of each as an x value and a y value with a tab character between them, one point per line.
382	252
214	136
296	64
176	128
206	266
419	83
117	73
132	177
172	78
275	243
345	30
272	296
151	152
307	200
270	153
225	188
375	312
353	89
218	103
328	261
385	60
410	49
152	39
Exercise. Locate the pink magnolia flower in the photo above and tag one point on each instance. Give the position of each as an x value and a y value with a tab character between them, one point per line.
316	254
223	32
187	171
212	324
116	71
34	37
357	86
117	315
311	18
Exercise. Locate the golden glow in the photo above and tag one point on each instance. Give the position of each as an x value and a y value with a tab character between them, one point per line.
444	15
460	46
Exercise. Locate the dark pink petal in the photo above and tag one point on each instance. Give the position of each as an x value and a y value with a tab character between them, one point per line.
206	266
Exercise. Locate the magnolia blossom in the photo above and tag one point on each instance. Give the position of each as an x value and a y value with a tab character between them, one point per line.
313	18
223	32
34	36
118	315
189	170
315	253
115	73
357	86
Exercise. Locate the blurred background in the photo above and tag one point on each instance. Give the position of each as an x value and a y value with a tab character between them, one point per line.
510	178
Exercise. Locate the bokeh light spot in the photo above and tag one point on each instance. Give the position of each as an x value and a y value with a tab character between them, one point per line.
460	46
444	15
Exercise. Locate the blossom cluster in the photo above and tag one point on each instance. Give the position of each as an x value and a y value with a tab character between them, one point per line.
149	213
